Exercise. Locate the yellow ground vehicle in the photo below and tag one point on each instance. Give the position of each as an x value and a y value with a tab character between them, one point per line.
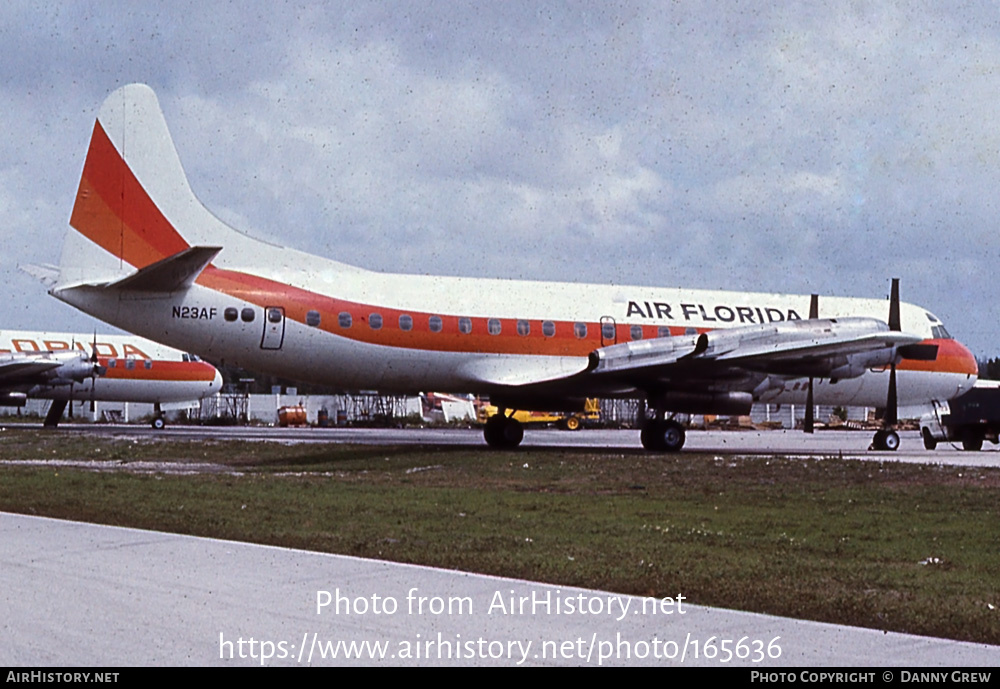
570	421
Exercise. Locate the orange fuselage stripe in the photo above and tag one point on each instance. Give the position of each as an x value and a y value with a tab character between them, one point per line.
164	371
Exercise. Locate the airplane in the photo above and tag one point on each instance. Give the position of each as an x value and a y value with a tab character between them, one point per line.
68	367
143	253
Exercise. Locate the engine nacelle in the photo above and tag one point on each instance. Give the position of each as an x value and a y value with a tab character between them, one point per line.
13	399
75	368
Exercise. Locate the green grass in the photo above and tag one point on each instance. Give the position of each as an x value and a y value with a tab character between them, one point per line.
892	546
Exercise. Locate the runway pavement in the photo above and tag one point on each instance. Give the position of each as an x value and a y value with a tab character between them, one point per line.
75	594
85	595
847	444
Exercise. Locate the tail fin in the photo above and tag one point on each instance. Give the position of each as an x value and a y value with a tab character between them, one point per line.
134	206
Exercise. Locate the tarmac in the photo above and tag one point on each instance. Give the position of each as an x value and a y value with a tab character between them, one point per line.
84	595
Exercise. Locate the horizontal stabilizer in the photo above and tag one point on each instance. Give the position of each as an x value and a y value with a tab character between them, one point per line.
46	273
172	274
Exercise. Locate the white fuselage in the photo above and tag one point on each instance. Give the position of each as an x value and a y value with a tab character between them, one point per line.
390	358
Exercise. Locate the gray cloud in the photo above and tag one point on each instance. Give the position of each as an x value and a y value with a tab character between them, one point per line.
824	147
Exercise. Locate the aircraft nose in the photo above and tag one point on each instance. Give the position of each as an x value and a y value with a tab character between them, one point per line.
216	384
955	357
958	358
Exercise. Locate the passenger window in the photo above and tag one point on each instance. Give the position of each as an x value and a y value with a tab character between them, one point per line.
580	330
130	364
231	314
548	328
406	322
112	363
523	327
493	326
375	321
636	332
312	318
465	325
608	331
248	314
148	363
344	319
663	331
436	324
274	315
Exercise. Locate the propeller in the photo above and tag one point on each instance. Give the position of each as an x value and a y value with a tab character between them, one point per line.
95	371
70	400
810	421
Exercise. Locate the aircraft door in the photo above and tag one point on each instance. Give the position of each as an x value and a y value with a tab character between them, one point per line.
609	333
274	327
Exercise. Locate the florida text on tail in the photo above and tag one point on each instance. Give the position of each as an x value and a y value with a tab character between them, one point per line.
145	254
75	367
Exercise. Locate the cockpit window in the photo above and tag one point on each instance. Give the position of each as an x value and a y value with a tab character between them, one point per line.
940	333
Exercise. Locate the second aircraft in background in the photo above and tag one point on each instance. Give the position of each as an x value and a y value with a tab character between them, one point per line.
68	367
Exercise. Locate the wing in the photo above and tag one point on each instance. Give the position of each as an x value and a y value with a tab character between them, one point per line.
722	370
822	348
50	368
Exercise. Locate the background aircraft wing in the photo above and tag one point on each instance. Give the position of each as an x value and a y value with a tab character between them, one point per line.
17	368
47	368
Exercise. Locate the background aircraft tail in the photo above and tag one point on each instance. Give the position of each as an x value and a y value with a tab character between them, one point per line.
134	206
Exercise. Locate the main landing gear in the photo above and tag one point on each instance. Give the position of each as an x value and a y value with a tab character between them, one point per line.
503	432
660	434
886	440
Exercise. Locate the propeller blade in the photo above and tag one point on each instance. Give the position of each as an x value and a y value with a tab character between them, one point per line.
894	307
892	400
94	372
891	410
810	419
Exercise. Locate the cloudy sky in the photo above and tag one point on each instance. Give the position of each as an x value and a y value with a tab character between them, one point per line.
799	147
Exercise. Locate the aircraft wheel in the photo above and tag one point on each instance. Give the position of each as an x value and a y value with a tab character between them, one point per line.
673	436
503	433
662	436
648	435
972	441
930	442
159	423
572	423
886	440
